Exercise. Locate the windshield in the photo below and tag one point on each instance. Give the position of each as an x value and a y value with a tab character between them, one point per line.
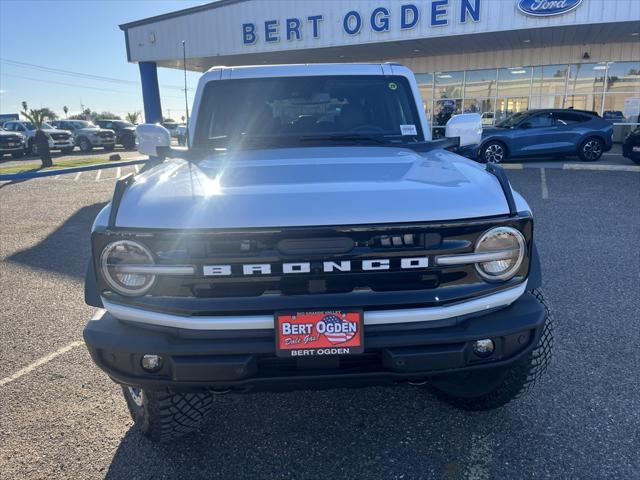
31	126
286	111
123	124
512	120
83	124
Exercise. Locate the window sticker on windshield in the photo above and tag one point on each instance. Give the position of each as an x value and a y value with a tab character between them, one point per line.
393	86
408	130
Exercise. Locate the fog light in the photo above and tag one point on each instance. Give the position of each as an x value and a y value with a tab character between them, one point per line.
151	363
484	347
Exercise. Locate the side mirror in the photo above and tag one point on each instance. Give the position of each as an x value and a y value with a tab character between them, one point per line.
467	127
151	137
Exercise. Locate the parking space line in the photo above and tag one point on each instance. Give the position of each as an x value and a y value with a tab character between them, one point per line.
77	176
41	361
56	177
137	167
607	168
512	166
98	175
118	172
543	182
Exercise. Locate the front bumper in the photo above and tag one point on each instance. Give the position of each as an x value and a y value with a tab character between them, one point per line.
245	360
12	149
102	142
59	144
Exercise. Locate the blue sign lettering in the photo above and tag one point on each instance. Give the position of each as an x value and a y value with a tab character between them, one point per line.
271	31
438	10
466	8
380	20
315	19
409	16
249	33
293	29
544	8
352	22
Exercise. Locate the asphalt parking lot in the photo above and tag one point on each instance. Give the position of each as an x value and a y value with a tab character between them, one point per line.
60	417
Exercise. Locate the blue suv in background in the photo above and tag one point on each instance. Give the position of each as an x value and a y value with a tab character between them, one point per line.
544	133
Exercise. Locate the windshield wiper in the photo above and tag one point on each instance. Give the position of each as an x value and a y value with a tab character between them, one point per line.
346	137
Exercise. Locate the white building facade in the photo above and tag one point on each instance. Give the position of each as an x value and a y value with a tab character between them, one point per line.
495	57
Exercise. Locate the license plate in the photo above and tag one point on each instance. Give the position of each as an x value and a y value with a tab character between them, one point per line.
319	333
636	148
12	144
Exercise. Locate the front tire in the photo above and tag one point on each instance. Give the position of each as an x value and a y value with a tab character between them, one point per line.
591	149
85	145
164	417
491	388
32	148
493	152
129	143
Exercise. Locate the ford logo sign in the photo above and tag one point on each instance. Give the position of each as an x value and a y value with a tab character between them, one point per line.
543	8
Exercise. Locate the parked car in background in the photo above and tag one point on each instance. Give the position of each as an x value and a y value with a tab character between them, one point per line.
58	139
125	132
87	135
171	126
631	145
614	116
548	132
181	134
487	118
13	143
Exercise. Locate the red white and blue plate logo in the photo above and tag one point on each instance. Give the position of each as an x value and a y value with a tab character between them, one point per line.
319	333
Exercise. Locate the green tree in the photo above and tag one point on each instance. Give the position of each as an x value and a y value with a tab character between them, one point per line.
133	117
48	114
107	115
65	109
37	117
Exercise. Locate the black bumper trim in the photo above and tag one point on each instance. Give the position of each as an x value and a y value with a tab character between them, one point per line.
249	363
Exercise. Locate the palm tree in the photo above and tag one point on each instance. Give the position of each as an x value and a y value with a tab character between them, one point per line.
65	109
133	117
41	139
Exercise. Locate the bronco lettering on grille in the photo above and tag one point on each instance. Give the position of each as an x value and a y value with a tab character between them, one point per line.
308	267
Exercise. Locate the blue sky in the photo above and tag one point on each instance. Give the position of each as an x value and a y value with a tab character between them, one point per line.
79	36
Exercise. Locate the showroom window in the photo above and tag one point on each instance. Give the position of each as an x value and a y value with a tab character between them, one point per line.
612	89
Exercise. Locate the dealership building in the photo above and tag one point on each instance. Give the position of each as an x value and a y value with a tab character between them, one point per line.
494	57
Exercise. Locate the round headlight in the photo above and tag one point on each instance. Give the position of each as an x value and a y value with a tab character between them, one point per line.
122	264
508	248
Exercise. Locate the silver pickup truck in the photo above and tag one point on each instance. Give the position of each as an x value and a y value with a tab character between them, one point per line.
313	235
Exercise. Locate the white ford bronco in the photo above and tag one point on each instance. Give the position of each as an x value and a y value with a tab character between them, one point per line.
312	235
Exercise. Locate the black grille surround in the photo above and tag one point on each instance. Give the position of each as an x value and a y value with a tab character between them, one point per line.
264	294
60	136
6	139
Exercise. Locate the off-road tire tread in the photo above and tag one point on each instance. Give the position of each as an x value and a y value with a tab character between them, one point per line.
519	379
168	416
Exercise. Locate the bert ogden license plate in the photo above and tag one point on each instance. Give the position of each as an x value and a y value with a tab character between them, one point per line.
319	333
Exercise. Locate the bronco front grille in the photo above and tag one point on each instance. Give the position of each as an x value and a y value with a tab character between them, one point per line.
307	250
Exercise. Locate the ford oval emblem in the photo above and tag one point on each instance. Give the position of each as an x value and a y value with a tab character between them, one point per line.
543	8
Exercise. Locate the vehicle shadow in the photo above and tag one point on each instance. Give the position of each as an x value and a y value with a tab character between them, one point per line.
67	249
376	432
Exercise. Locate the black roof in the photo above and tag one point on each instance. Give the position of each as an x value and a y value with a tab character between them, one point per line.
566	110
180	13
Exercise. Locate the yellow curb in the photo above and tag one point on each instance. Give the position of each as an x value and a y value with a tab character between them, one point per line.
606	168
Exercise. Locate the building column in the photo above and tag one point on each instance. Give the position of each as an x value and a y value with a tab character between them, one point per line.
150	92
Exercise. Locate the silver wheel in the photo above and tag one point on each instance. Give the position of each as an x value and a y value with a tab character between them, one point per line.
592	149
137	395
494	153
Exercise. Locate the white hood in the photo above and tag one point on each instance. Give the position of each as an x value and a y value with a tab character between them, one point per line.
311	187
